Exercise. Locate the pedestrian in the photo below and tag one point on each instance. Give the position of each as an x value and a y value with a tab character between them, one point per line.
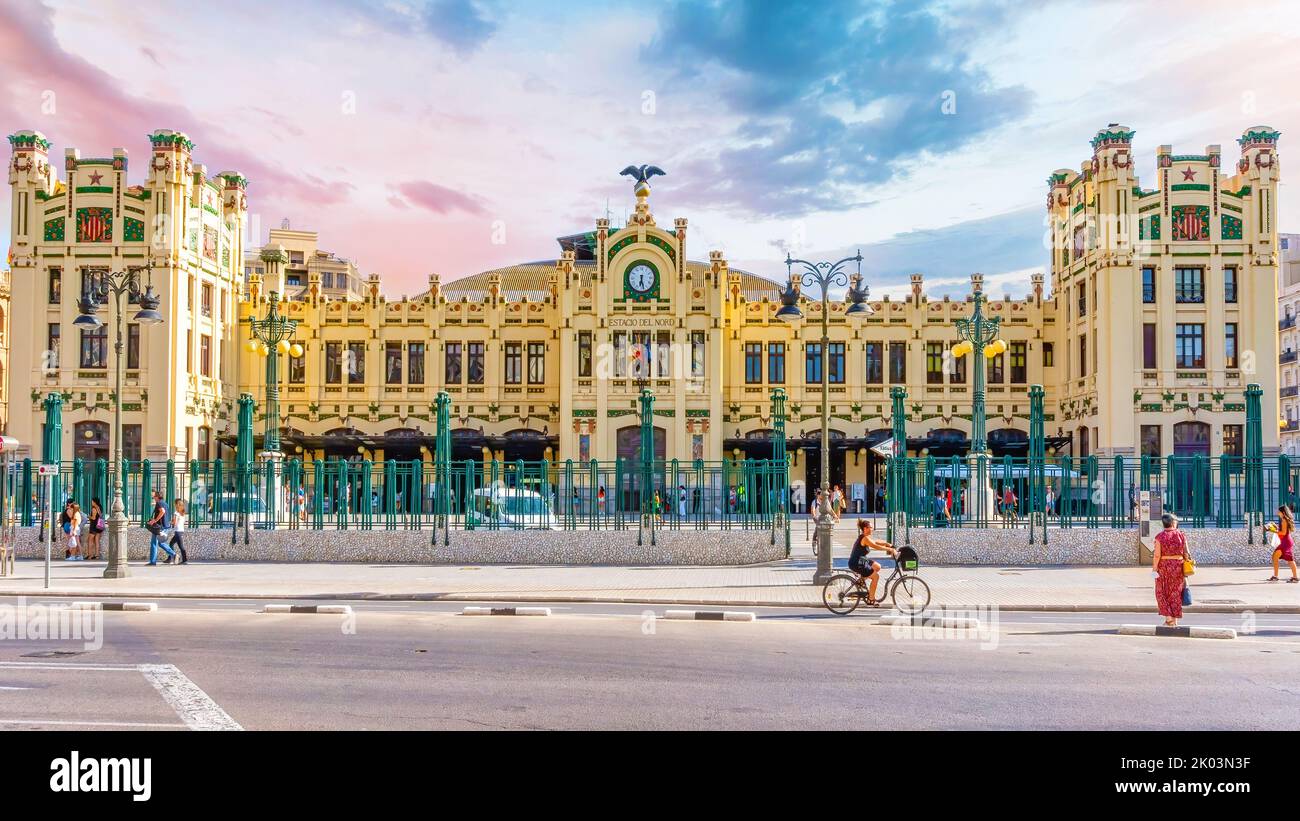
940	509
600	500
1167	568
835	502
65	524
75	520
658	509
1049	502
1285	548
880	498
155	525
178	530
696	498
1009	505
740	498
947	499
94	529
681	501
1132	503
731	499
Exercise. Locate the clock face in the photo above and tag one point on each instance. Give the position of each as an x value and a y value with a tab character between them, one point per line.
641	277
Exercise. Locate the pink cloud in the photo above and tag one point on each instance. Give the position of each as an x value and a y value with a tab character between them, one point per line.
438	198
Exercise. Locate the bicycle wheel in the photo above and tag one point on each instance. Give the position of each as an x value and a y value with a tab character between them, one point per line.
840	595
911	595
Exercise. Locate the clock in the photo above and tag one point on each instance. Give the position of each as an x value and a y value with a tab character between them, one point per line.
642	281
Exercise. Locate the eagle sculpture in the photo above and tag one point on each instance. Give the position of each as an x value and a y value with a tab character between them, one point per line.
642	174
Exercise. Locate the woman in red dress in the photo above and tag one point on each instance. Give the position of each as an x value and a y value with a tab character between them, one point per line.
1167	567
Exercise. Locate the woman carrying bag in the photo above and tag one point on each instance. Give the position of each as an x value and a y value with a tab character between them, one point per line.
1170	566
1280	540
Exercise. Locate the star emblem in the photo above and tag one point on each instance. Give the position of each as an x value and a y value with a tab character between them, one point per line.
1188	173
95	178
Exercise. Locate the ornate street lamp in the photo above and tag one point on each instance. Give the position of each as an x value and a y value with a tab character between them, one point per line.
824	275
270	337
99	287
979	335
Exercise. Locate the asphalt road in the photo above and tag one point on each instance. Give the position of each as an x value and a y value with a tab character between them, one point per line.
422	665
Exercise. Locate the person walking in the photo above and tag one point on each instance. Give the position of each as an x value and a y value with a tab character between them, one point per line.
75	520
600	500
1285	549
1049	503
1167	569
65	524
1009	505
940	509
681	501
178	531
155	525
94	530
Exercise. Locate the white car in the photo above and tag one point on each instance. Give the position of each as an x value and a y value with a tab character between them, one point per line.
510	509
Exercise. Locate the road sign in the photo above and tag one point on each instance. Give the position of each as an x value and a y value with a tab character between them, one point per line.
47	470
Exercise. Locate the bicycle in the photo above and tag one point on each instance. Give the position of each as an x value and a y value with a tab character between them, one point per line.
909	593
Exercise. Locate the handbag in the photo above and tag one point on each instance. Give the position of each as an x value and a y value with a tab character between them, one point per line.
1187	595
1189	566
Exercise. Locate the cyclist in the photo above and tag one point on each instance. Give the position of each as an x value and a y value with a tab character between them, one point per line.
864	567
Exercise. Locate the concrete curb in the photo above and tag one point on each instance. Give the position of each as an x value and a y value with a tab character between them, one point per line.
1179	632
1288	609
334	609
132	606
506	611
708	615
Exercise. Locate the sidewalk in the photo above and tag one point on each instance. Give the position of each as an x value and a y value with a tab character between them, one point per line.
786	583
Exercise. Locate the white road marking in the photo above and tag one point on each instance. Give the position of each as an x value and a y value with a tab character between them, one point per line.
70	665
15	688
195	708
65	722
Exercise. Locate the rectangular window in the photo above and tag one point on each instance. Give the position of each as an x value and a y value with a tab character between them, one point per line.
1230	284
333	363
1230	345
812	363
476	354
934	363
94	347
620	355
1083	355
205	444
753	363
514	362
205	355
415	363
223	306
1083	300
663	354
1149	286
392	363
584	353
1149	345
1189	345
697	354
52	339
537	363
997	369
776	363
640	354
875	363
453	371
957	367
298	368
835	369
1049	354
56	286
189	351
132	439
897	363
1150	436
205	303
1232	440
133	346
356	363
1019	363
1189	285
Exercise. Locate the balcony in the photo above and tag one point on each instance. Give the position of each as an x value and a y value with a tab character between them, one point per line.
1287	322
1291	426
1291	391
1286	357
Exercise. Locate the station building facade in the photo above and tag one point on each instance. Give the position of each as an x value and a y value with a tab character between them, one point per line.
1160	310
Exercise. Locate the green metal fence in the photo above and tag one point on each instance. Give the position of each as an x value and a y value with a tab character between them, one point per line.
414	494
1091	491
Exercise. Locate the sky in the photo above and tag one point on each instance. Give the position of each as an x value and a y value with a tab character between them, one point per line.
453	136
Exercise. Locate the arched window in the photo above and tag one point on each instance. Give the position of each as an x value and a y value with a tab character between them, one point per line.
1191	438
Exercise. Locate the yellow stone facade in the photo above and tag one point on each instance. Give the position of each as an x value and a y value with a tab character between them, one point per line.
541	358
179	384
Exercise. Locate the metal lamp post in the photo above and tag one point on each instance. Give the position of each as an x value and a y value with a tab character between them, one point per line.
100	286
979	335
824	275
270	337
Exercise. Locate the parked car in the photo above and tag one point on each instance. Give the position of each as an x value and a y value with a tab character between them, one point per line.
511	509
